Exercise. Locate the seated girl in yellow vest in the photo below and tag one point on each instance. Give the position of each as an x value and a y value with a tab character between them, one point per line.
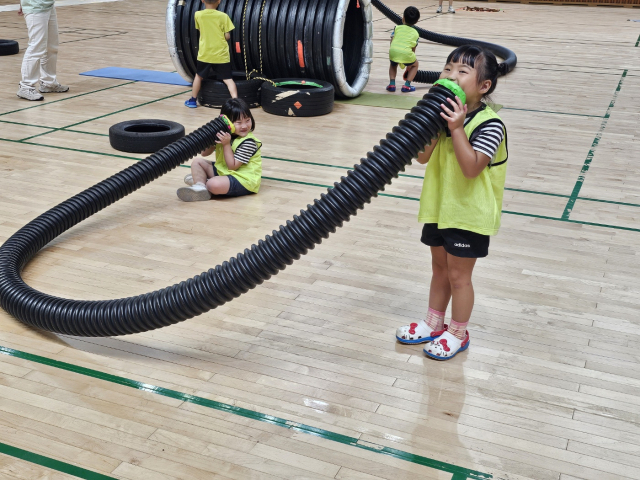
237	169
461	200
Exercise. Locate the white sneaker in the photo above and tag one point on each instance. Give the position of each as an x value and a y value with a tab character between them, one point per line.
451	10
439	10
188	179
29	93
53	88
195	193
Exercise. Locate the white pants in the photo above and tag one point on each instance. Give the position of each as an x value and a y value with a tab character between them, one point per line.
39	62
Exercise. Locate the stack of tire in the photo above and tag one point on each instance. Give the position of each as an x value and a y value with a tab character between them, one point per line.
214	93
297	97
287	97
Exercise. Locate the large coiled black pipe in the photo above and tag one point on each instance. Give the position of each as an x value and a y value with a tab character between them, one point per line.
225	282
282	38
424	76
297	38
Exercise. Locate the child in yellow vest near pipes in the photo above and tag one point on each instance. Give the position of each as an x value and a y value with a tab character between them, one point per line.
214	59
402	51
461	200
237	167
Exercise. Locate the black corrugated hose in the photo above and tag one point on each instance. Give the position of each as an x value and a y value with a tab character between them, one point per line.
424	76
225	282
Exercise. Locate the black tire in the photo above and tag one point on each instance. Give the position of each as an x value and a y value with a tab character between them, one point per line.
144	136
9	47
305	101
214	93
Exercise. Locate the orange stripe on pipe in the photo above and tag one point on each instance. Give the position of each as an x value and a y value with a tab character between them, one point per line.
300	54
238	47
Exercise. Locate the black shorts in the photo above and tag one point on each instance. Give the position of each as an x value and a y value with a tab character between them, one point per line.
456	242
236	189
395	64
214	71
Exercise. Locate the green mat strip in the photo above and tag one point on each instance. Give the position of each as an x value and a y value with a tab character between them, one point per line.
389	100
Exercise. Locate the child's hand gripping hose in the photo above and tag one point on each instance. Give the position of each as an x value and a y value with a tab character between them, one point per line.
225	282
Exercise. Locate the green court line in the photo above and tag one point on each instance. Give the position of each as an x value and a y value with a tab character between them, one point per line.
420	177
51	463
383	100
24	140
307	163
53	129
508	212
405	175
70	149
106	115
534	192
608	201
86	133
128	108
66	98
579	222
331	186
459	472
555	113
94	38
26	124
587	163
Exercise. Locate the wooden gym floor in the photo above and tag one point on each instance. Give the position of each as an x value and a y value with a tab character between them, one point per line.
302	377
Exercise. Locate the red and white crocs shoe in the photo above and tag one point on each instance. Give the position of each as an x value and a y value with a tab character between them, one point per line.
417	333
446	346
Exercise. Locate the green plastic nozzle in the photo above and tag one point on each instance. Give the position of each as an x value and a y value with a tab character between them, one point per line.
454	87
229	123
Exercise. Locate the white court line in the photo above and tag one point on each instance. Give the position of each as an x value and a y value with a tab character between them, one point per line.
61	3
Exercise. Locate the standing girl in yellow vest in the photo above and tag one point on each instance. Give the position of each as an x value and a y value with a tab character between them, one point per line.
461	200
237	169
402	50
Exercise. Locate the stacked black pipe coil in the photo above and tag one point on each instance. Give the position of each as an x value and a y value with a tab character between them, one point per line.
225	282
285	22
424	76
275	38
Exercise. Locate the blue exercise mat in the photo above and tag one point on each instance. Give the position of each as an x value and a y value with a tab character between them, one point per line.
150	76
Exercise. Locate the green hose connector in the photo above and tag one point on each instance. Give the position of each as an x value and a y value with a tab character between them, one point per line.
454	87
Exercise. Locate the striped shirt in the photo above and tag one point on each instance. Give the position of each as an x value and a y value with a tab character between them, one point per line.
245	151
487	138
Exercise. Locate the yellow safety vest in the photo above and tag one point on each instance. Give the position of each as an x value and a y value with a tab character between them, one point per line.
401	49
249	174
450	199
